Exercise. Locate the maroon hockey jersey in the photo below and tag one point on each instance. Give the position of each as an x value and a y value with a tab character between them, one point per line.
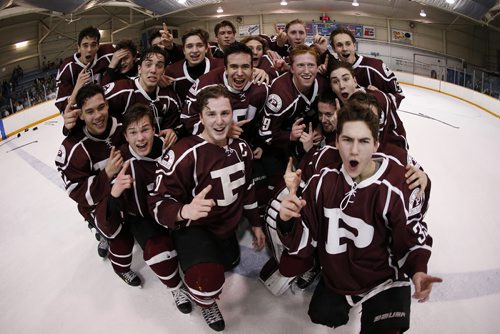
123	94
192	165
391	127
285	105
184	80
366	233
81	160
216	50
71	68
142	169
266	64
247	104
373	71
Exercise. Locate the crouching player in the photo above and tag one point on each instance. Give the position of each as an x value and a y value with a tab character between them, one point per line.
367	228
88	160
128	201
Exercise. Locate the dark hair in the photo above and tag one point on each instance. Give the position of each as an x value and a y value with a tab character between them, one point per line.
296	21
127	44
352	112
211	92
89	32
303	49
237	47
224	23
149	51
365	99
153	35
259	39
339	64
135	113
203	34
339	31
86	92
327	96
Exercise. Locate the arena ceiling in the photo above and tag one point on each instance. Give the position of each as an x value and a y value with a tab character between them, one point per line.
176	12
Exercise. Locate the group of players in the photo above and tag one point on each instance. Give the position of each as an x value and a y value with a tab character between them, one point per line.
176	146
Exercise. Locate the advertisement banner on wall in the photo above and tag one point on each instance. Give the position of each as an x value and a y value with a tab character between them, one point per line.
402	36
368	32
249	30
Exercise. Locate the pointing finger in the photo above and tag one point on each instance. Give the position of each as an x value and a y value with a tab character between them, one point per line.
204	192
243	122
289	166
124	167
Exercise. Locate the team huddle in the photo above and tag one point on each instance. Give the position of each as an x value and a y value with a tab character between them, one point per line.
176	146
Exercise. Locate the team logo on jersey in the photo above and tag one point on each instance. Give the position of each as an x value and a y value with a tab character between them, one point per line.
168	160
61	155
274	102
108	88
415	204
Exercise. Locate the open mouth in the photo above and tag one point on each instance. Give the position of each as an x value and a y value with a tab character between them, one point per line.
345	55
239	82
353	163
141	146
345	95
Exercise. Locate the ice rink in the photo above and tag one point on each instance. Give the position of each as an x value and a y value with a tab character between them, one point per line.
52	280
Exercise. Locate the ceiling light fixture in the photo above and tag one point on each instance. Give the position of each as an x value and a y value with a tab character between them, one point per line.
283	3
21	44
182	2
220	10
422	13
355	3
451	2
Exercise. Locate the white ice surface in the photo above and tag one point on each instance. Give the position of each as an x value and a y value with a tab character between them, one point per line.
53	282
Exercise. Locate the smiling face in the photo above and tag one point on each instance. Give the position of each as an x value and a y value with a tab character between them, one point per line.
95	114
343	83
257	50
239	70
140	135
356	146
304	70
194	50
151	70
327	116
87	49
344	47
216	117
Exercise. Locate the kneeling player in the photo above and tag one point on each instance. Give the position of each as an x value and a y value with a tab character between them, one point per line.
128	202
367	228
